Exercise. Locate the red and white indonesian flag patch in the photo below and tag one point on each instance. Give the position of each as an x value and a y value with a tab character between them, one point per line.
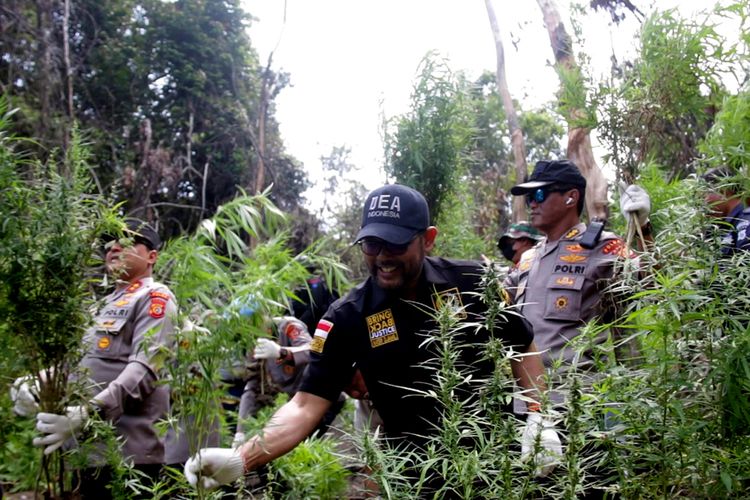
321	334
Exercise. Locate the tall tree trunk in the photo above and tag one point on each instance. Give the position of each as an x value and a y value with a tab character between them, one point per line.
68	74
516	135
579	138
44	74
265	93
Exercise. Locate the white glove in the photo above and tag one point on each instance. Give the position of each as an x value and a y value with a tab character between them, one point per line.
549	451
212	467
24	393
634	199
239	439
267	349
59	428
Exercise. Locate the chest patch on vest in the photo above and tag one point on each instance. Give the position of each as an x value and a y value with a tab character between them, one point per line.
561	303
382	328
449	298
320	336
574	248
104	343
572	258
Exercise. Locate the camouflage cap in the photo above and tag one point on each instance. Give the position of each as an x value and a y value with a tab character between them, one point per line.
521	229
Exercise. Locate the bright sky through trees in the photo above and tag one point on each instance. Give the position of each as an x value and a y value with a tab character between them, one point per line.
351	62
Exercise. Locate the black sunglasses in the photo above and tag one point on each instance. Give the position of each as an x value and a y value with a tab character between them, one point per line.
541	194
373	246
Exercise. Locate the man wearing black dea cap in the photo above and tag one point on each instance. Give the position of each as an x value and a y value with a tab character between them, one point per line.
559	284
381	328
133	324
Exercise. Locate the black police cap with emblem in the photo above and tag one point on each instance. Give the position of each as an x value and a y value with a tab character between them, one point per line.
140	232
547	172
394	213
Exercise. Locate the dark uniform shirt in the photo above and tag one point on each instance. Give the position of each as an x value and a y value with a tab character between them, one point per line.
315	299
737	237
134	324
384	336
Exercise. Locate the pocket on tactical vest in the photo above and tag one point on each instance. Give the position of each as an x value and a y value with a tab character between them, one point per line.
107	338
563	297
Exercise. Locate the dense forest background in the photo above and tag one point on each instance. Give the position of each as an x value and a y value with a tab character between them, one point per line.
162	110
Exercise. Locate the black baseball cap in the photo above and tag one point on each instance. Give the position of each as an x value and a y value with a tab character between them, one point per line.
394	213
547	172
140	231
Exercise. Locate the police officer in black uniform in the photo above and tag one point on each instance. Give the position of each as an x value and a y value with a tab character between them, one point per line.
380	327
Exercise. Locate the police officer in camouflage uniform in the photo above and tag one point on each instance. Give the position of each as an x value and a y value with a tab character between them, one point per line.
132	325
559	284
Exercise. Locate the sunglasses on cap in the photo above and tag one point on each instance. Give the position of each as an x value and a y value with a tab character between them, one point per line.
373	246
542	193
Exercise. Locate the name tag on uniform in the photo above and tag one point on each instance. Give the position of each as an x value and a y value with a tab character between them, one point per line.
112	326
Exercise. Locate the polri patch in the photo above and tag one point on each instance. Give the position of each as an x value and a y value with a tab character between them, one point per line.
321	334
382	328
157	309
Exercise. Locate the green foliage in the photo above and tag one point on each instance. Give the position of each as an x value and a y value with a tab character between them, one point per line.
169	93
457	238
311	470
648	117
47	244
231	278
425	150
727	141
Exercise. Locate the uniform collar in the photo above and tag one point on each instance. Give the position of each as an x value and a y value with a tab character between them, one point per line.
138	284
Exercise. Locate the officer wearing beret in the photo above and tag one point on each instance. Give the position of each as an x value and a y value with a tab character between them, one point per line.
132	324
559	283
379	328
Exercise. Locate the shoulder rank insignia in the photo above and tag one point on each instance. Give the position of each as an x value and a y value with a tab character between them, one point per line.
571	234
159	295
133	287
